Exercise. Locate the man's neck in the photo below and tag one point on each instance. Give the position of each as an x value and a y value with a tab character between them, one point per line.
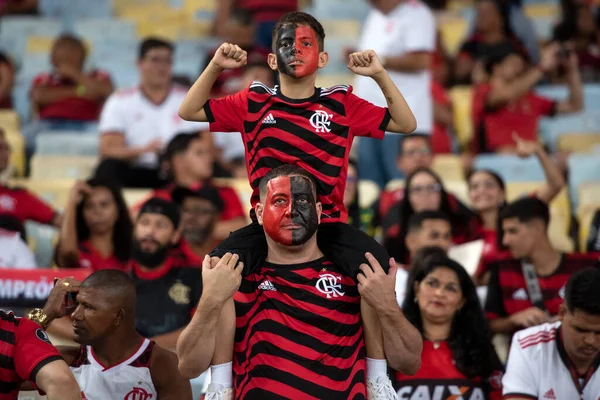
293	88
288	255
436	332
545	258
117	348
156	94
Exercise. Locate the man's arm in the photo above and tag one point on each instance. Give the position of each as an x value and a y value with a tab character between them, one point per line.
575	101
112	145
169	383
57	381
168	340
42	96
411	62
518	383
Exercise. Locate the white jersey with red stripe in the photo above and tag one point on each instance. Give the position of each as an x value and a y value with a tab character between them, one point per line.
128	380
539	368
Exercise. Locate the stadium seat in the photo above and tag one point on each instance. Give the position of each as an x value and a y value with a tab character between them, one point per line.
589	196
541	10
585	218
578	142
560	206
368	192
453	31
591	94
544	27
462	103
42	240
62	167
54	192
512	168
135	196
106	29
9	120
449	167
65	143
552	128
340	9
17	156
583	168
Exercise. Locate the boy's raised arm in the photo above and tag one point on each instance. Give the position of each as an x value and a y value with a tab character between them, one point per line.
228	56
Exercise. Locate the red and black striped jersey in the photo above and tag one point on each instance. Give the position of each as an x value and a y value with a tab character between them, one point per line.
299	334
314	133
24	350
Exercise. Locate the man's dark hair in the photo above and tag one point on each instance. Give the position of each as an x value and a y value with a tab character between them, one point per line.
582	291
68	40
527	209
415	221
285	170
115	282
300	18
424	138
152	43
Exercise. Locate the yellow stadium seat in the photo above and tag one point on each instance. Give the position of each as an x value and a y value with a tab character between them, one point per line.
43	44
541	10
204	5
17	156
55	192
462	103
579	142
448	167
174	30
368	192
589	196
135	196
453	31
62	167
9	120
585	217
348	28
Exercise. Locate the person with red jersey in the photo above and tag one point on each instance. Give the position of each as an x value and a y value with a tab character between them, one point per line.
529	289
26	354
458	358
112	360
314	345
97	230
189	160
487	195
506	104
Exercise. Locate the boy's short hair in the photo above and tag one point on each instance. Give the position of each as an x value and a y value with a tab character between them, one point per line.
300	18
526	210
72	41
152	43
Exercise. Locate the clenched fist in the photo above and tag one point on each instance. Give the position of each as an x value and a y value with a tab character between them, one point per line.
230	56
365	63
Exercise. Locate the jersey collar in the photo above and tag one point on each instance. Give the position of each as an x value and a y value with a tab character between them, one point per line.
571	367
316	95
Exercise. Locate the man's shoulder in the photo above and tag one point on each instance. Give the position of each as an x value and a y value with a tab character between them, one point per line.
506	265
577	261
537	337
415	9
125	94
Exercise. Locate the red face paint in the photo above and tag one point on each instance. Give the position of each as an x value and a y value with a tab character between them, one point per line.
297	50
290	213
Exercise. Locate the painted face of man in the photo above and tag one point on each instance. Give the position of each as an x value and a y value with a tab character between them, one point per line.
297	50
290	210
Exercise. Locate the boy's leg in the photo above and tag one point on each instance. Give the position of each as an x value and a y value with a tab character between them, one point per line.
249	243
221	369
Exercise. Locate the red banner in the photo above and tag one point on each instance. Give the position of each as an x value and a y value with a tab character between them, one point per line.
31	287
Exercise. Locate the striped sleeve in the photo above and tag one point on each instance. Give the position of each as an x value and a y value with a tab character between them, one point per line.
520	379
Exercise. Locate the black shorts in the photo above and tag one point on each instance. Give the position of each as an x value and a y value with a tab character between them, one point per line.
342	244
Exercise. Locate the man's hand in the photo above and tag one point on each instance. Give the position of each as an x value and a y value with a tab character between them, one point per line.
56	305
375	286
530	317
155	146
365	63
79	190
69	71
230	56
525	148
221	281
549	57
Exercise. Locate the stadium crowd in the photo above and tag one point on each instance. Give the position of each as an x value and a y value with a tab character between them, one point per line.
443	212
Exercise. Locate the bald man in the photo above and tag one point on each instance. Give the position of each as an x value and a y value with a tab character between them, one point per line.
114	361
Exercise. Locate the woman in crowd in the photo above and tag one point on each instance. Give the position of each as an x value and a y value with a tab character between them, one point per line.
487	195
425	192
441	301
96	231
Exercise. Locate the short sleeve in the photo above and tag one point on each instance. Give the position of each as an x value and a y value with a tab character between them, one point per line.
366	119
494	305
227	114
112	117
34	349
421	35
232	206
38	210
544	106
519	379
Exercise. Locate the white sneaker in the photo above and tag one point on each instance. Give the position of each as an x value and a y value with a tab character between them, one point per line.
217	392
381	389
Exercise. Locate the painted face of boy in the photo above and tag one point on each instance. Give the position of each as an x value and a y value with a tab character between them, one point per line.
297	50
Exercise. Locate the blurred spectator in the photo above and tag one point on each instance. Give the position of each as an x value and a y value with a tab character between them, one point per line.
137	122
7	81
201	210
428	229
593	242
528	289
442	303
493	34
97	231
240	30
19	7
168	289
425	193
15	254
418	260
263	12
19	202
560	360
190	163
507	105
487	195
443	120
68	97
403	34
579	29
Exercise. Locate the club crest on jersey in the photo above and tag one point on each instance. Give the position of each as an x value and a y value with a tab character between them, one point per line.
329	286
180	293
320	121
138	393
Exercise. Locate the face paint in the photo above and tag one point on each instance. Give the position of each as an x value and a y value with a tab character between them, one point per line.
290	213
297	50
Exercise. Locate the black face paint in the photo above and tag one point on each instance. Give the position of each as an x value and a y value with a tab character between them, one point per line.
286	49
297	50
304	210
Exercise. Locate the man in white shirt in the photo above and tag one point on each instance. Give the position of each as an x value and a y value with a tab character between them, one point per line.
137	122
403	33
15	254
560	360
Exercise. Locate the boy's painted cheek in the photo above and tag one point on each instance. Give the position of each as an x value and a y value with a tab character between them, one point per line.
310	54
